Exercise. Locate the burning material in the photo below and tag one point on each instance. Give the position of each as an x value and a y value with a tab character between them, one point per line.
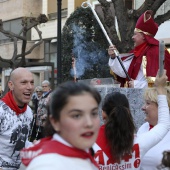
74	69
88	54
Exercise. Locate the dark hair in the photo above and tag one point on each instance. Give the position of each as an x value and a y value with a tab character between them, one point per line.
60	97
120	127
165	160
114	99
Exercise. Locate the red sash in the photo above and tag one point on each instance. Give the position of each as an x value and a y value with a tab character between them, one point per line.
135	65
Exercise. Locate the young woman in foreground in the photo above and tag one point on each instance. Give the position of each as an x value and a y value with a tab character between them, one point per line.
116	147
72	129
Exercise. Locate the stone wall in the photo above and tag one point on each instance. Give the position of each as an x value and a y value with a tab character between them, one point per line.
135	97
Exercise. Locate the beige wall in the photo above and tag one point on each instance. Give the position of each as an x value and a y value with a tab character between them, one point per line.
73	4
52	5
7	50
32	7
19	8
78	3
49	29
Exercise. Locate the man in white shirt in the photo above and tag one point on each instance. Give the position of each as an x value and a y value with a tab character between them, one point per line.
143	61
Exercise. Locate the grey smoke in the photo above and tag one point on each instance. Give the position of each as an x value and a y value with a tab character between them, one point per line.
87	53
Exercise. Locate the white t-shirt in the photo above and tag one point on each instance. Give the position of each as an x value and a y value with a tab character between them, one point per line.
14	131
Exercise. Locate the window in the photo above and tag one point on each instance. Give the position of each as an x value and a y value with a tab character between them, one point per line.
13	26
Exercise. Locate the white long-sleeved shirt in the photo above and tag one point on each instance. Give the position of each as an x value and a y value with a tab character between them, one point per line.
142	143
153	157
116	67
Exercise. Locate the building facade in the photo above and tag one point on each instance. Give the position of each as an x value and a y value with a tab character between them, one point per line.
13	11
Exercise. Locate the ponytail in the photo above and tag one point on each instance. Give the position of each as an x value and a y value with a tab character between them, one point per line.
120	131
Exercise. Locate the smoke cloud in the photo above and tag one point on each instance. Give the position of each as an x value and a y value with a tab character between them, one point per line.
87	53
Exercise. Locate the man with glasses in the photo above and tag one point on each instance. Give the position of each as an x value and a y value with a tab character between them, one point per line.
34	103
42	108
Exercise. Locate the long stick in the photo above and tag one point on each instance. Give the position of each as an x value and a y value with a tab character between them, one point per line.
86	5
161	57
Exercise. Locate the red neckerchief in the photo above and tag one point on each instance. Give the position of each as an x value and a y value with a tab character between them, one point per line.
152	57
134	67
150	127
9	100
47	145
139	49
135	64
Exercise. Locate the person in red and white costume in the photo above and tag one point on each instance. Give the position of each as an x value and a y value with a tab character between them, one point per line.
143	61
116	146
151	160
72	128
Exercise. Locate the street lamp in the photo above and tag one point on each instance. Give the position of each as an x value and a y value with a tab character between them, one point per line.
59	63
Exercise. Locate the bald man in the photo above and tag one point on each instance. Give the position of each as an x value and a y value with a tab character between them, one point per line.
15	118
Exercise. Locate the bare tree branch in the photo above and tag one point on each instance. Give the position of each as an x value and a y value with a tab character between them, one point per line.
145	6
27	24
162	18
156	5
126	19
34	46
6	61
109	21
8	33
121	14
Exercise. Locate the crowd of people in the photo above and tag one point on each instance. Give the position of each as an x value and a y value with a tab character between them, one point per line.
73	133
116	145
62	130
